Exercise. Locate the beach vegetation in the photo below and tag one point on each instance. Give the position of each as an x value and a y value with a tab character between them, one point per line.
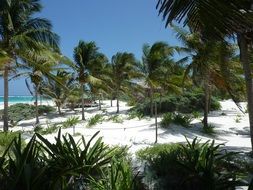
20	111
98	118
176	118
22	33
133	114
209	130
116	119
194	164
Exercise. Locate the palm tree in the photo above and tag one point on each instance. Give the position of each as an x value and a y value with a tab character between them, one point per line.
58	88
209	65
123	71
36	68
20	34
155	61
216	19
85	55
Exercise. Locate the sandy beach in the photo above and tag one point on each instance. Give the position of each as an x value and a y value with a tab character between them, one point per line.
231	126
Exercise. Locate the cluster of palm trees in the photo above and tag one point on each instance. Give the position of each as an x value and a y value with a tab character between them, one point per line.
219	21
28	47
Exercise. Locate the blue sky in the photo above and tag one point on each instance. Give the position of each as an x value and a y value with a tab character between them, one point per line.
115	25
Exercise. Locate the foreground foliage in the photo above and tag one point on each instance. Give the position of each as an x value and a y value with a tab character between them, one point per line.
65	164
193	165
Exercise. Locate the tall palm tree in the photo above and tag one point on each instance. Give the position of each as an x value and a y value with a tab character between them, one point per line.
20	34
155	60
37	67
85	55
216	19
123	71
209	65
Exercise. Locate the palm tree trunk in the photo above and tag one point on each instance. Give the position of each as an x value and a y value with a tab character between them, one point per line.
59	109
82	94
6	96
99	102
160	102
111	102
206	102
151	102
244	55
36	105
117	104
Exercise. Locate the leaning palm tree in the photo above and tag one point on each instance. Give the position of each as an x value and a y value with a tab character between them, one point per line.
122	73
20	34
216	19
36	68
155	61
85	55
208	63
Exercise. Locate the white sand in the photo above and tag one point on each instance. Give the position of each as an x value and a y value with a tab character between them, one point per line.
141	133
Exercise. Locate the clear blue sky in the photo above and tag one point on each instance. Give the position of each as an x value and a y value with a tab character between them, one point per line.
115	25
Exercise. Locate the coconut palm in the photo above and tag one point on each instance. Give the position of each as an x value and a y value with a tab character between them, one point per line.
155	61
122	73
58	88
20	34
85	55
217	19
209	65
37	67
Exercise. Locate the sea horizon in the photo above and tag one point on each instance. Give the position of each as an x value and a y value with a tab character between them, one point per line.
20	99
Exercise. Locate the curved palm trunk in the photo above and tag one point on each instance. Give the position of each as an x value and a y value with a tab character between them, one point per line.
36	105
244	53
6	96
82	93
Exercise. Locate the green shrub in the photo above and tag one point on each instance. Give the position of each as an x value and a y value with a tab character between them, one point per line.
189	166
167	119
18	112
188	102
95	120
116	119
46	130
70	122
196	114
182	119
134	114
45	109
208	130
176	118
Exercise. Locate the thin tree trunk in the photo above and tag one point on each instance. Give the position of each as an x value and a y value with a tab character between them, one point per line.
117	104
111	102
244	54
6	96
82	93
151	103
160	102
59	109
206	102
99	102
36	105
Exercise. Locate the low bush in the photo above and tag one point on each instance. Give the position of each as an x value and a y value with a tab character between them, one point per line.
18	112
188	102
167	119
209	130
95	120
116	119
176	118
133	114
189	166
51	128
70	122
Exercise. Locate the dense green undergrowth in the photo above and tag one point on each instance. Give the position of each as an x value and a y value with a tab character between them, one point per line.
18	112
188	102
195	165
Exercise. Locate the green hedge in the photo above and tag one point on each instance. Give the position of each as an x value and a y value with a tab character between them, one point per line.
187	102
18	112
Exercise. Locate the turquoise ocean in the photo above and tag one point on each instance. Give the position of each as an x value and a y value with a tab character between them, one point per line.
20	99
